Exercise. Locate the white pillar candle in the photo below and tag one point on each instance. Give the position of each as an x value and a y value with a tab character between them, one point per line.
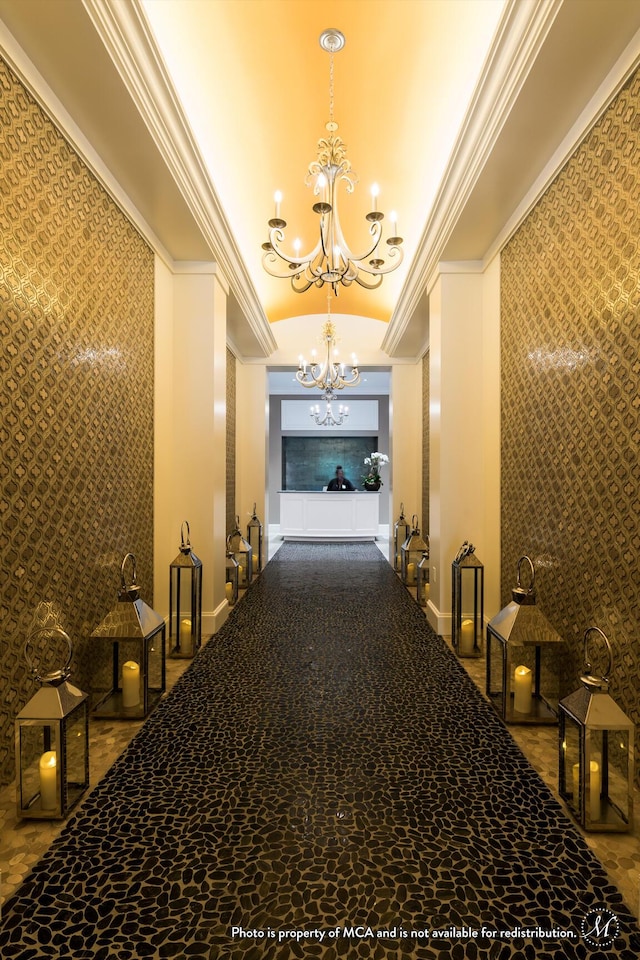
467	636
240	573
411	572
427	591
48	769
228	589
254	561
522	686
130	684
595	783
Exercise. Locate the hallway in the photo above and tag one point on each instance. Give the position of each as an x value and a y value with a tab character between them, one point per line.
325	763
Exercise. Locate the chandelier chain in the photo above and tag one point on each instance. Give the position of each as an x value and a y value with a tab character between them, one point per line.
331	89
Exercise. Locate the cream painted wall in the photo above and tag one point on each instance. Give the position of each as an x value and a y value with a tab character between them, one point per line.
190	429
405	429
252	438
464	462
164	538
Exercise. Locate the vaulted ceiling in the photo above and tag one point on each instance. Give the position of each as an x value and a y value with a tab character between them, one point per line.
194	112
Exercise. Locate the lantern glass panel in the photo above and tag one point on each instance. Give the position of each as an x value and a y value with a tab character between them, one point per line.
38	777
607	789
523	679
569	780
129	676
467	603
185	610
52	756
254	538
401	531
231	579
77	759
495	671
411	554
422	581
243	554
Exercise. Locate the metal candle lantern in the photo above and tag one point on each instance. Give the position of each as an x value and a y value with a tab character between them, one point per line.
242	551
411	553
422	580
401	530
129	673
523	659
596	764
467	602
231	579
254	536
185	600
52	742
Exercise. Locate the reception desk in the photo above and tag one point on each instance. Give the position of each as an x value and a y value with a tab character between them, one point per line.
323	515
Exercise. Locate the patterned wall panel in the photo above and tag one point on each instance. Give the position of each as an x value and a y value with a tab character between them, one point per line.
76	392
571	398
231	443
424	520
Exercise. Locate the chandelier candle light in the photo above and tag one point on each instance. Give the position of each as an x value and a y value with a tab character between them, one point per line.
331	261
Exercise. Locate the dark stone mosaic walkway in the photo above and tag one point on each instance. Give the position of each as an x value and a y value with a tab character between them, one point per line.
324	781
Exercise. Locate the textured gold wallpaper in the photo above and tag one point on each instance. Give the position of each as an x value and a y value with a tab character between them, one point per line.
571	396
231	444
76	393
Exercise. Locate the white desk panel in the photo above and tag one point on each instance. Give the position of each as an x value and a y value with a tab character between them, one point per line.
315	515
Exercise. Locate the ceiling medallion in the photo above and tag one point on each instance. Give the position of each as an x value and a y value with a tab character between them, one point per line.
331	260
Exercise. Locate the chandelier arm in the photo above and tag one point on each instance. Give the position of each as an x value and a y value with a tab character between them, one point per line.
271	270
375	230
369	286
395	251
276	237
304	284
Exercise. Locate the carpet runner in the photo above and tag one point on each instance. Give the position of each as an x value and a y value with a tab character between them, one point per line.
324	781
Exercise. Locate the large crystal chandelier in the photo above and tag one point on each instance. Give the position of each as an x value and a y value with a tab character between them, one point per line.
327	372
331	261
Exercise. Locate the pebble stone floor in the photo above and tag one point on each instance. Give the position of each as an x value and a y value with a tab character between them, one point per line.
325	780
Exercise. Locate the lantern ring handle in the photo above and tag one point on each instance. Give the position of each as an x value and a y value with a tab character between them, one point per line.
56	676
125	585
185	544
533	573
587	661
414	516
465	551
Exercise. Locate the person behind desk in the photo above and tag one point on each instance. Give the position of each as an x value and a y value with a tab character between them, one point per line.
340	482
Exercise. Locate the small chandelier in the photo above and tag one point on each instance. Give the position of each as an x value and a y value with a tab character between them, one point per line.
331	261
328	374
329	419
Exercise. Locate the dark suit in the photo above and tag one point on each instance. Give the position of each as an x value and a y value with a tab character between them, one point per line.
343	484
